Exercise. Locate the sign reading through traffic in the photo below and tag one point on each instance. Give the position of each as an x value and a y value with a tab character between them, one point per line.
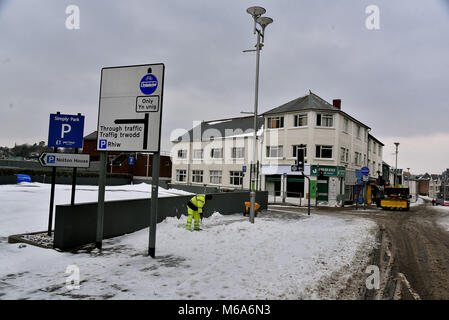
130	110
70	160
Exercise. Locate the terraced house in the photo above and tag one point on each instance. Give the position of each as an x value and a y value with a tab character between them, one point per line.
334	142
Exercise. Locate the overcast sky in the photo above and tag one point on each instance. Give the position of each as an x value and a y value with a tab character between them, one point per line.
395	79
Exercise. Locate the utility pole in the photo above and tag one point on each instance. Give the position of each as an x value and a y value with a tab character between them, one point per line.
396	168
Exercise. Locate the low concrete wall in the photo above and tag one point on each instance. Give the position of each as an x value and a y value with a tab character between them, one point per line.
83	181
76	225
194	188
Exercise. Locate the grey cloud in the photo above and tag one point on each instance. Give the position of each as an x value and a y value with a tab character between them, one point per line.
390	79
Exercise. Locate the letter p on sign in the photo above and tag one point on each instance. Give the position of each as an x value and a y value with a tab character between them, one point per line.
66	128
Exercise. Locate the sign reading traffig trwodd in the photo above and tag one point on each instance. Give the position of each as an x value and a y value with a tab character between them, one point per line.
130	110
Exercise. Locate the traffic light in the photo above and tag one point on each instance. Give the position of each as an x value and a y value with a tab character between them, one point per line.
300	159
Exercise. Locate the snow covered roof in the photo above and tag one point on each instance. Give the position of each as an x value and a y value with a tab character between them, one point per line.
307	102
310	101
232	127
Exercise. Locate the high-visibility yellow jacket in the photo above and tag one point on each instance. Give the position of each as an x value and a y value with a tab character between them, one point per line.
198	201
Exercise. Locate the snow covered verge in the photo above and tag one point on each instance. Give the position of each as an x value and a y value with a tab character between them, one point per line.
444	220
309	257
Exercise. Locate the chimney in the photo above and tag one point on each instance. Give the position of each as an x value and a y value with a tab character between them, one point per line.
337	103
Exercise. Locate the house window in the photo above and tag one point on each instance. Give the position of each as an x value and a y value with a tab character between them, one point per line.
300	120
358	131
216	153
275	151
215	176
380	150
238	152
323	152
347	155
275	122
345	125
295	148
182	154
357	158
342	154
197	176
374	148
324	120
181	175
198	154
236	178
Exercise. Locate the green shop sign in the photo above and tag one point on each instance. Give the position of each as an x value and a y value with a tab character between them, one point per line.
328	171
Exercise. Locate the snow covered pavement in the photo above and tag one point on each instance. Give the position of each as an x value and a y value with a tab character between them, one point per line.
230	258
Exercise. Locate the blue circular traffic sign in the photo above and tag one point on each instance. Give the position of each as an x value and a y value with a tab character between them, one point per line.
148	84
365	171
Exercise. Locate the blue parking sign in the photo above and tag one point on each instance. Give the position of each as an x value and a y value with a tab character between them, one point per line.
66	131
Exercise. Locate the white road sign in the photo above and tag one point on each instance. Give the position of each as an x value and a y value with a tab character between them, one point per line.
70	160
130	110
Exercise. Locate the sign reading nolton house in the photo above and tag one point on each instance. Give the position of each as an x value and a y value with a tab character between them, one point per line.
129	116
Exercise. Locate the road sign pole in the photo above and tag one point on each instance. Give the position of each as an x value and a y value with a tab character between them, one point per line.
154	202
52	197
72	201
100	207
308	200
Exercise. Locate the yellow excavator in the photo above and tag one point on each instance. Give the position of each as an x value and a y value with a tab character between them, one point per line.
396	198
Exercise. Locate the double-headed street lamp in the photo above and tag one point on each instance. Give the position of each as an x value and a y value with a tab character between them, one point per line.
256	13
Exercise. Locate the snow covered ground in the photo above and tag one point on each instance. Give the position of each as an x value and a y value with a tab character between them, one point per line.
274	258
24	207
444	220
418	202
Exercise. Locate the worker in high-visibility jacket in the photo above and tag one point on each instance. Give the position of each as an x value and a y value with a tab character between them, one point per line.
195	210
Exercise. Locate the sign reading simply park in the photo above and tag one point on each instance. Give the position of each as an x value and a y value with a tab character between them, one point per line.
130	108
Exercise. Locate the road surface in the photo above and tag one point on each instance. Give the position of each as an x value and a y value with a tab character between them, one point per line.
413	256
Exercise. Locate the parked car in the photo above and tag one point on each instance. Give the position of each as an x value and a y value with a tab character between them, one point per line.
440	202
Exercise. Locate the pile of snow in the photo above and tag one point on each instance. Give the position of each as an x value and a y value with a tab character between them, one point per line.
444	219
418	202
231	258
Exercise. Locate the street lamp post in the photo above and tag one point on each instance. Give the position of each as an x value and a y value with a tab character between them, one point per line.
396	168
256	13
